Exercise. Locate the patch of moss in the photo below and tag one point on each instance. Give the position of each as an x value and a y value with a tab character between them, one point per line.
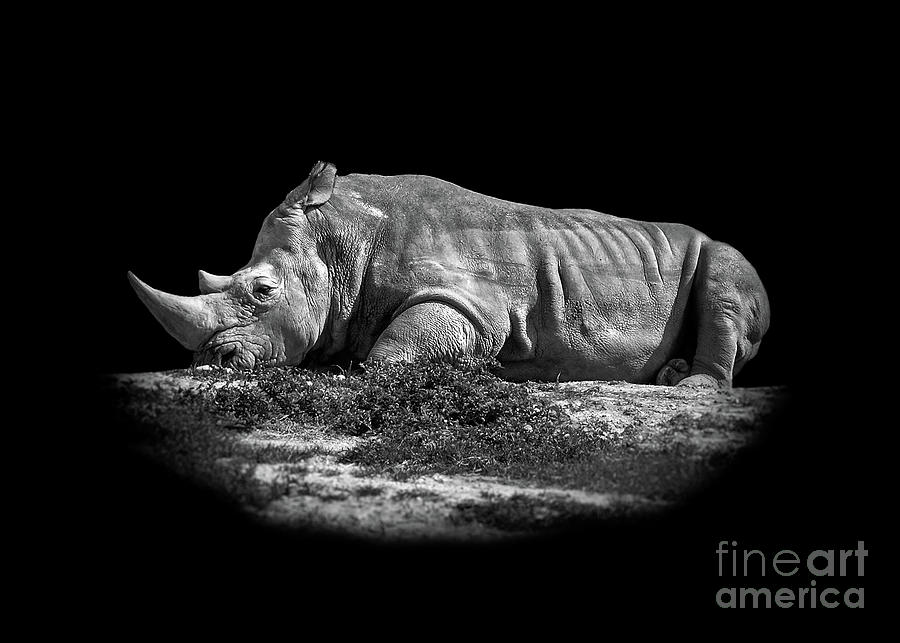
415	419
419	418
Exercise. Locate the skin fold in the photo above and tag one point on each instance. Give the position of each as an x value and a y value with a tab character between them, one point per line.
365	267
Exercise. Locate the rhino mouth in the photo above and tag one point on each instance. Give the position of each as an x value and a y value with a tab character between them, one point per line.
230	354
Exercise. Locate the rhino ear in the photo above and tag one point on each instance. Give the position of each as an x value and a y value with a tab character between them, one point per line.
320	184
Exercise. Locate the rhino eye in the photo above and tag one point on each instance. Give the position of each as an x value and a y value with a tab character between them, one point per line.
262	290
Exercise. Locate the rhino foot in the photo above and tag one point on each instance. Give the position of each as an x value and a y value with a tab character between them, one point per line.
673	372
701	380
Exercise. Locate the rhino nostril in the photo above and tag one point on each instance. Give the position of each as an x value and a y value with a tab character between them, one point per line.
226	357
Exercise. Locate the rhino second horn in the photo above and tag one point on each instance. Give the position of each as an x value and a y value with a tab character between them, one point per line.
210	283
190	320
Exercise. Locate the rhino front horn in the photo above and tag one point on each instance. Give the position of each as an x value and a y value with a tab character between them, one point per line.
190	320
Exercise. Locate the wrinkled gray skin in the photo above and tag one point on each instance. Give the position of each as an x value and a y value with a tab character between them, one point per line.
365	267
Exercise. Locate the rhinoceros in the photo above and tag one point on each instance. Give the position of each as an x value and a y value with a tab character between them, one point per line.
398	268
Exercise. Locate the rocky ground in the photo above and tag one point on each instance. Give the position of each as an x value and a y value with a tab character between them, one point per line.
652	448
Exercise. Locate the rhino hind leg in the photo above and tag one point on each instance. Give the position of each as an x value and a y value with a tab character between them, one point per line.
732	316
428	330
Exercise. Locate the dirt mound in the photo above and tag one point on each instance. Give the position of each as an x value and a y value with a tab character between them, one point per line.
618	450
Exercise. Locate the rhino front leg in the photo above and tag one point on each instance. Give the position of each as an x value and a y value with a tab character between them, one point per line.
429	330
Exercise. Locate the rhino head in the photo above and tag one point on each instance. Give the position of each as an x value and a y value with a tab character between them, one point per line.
270	312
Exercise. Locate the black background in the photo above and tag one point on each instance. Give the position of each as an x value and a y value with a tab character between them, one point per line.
178	161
